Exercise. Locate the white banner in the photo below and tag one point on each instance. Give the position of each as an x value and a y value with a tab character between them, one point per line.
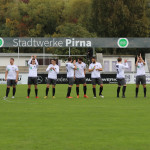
131	78
23	78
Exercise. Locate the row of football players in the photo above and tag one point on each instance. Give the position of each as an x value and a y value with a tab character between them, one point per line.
75	73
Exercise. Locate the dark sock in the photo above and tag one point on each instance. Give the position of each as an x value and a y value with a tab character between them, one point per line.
137	90
14	91
124	90
100	90
84	89
36	92
94	92
29	90
118	91
47	90
7	91
53	91
145	92
77	90
69	91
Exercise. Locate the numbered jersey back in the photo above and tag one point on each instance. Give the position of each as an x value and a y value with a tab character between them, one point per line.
120	71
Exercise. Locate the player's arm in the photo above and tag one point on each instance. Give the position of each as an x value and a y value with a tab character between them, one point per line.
91	69
48	68
6	73
74	65
125	66
37	64
85	69
100	68
137	61
56	70
17	76
74	74
29	62
142	60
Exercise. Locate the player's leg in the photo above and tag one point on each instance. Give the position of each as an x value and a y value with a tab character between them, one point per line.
36	91
137	90
101	90
47	87
77	90
94	86
53	87
144	84
124	88
137	86
7	91
14	88
69	91
8	88
100	82
35	82
144	87
47	90
124	91
83	80
77	86
9	84
71	82
29	90
29	87
118	90
53	91
85	89
119	87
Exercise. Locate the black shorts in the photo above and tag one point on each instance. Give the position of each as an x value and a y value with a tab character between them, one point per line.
121	82
80	81
97	81
70	81
51	81
141	80
32	80
11	82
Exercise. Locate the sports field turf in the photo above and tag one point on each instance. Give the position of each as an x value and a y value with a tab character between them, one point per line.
75	124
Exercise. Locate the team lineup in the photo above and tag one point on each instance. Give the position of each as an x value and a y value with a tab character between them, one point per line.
76	72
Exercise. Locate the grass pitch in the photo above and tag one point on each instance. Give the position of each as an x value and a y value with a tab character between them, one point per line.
74	124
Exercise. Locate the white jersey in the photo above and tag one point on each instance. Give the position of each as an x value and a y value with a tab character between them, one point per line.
70	70
120	70
79	73
140	69
95	73
32	68
52	74
12	72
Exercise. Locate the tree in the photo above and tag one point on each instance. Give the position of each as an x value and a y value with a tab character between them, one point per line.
71	30
120	18
78	12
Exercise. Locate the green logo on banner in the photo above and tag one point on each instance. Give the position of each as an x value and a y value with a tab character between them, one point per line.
123	42
1	42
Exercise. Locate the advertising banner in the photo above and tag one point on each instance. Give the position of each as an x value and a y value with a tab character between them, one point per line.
62	78
75	42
